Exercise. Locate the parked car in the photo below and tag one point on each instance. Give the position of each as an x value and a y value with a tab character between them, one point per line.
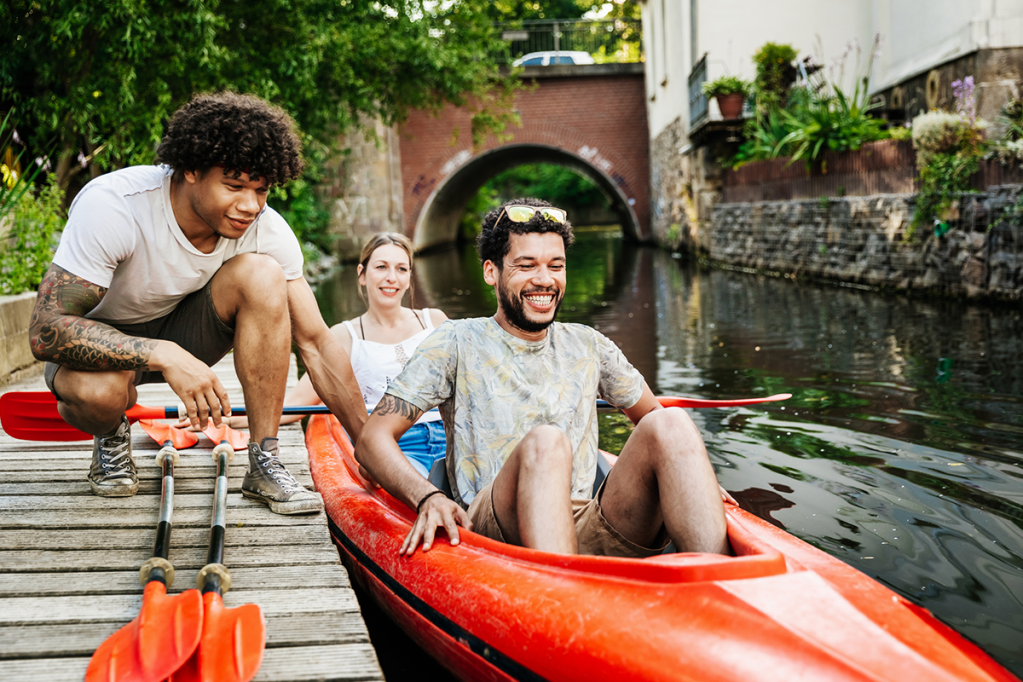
548	58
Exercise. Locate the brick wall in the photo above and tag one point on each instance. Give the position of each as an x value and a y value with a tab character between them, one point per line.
600	120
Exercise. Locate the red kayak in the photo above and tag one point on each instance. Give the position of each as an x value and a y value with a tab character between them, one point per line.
780	610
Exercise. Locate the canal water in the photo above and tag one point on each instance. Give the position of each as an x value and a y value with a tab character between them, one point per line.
900	452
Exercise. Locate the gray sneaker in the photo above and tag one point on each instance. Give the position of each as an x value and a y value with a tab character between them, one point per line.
270	483
113	470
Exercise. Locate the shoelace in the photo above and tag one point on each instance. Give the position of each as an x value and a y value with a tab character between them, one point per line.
272	465
116	461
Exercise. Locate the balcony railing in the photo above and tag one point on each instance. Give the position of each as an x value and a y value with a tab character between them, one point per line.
607	40
698	111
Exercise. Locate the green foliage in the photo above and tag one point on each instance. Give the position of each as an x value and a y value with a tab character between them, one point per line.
825	122
900	133
512	10
27	249
775	74
14	183
102	77
305	210
557	184
949	150
726	85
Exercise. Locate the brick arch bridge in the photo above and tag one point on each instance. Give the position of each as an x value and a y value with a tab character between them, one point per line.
589	118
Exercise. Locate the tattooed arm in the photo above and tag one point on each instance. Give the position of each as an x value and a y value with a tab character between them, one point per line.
60	333
377	450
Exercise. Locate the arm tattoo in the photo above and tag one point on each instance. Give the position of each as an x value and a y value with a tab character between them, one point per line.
59	331
391	405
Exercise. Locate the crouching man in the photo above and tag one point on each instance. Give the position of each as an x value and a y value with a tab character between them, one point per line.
163	269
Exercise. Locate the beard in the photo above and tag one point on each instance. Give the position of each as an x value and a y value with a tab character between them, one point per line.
515	310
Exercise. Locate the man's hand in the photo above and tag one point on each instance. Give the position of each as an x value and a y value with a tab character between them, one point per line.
437	512
196	385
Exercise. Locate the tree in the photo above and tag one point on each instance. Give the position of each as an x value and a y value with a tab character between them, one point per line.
96	81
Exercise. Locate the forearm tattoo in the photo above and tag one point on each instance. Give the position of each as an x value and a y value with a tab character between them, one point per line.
391	405
60	332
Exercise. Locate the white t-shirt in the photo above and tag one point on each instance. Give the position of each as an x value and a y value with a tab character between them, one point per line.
121	234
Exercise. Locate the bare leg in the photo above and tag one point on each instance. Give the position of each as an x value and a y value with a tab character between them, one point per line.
533	493
664	476
94	402
250	293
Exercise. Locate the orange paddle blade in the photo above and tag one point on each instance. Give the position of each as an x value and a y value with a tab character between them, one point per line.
160	639
161	433
236	439
231	648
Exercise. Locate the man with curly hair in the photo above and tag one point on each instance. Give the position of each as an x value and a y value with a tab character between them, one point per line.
517	392
163	269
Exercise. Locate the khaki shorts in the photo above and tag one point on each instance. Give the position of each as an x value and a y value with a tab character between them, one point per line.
594	533
193	324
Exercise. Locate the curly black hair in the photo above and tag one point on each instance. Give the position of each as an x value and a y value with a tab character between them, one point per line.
492	243
242	133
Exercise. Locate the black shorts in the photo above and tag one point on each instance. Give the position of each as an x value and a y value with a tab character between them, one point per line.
194	325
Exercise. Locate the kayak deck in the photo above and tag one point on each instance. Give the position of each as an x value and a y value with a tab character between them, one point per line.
69	560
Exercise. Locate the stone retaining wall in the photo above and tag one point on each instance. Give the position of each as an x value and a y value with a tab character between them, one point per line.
16	361
861	240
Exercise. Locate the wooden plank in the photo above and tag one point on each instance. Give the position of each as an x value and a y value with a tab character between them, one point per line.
147	473
147	502
118	582
81	639
122	608
20	561
331	663
146	487
141	538
189	517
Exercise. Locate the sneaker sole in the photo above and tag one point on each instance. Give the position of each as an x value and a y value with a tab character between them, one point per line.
113	490
314	506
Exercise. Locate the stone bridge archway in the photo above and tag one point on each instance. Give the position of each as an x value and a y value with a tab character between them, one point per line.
590	118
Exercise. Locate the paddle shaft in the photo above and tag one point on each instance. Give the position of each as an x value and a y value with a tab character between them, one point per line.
161	548
215	555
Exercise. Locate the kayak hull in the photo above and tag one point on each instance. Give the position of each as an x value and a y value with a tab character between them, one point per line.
781	610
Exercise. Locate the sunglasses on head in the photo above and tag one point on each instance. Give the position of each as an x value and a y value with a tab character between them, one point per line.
523	214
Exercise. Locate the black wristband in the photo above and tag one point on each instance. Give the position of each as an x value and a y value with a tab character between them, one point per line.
425	498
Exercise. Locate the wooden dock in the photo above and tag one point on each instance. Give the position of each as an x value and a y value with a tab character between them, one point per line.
69	560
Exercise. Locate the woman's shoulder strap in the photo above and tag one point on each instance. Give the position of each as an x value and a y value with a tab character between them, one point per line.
351	332
427	318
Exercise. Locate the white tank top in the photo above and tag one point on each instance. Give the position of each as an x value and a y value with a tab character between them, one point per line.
375	364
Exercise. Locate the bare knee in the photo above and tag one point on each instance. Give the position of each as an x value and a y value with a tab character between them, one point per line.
545	449
250	280
94	400
670	432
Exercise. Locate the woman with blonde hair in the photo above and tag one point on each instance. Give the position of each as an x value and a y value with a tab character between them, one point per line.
380	341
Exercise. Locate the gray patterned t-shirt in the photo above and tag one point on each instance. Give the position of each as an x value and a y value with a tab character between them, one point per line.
494	388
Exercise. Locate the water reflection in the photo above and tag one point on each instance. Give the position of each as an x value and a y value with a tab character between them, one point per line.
900	451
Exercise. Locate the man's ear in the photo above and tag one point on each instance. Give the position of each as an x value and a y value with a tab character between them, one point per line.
192	177
490	272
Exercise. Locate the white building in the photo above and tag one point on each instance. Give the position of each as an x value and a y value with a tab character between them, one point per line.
926	45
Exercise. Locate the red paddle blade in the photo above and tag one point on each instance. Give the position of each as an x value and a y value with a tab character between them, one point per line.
668	401
231	648
162	432
33	415
160	639
236	439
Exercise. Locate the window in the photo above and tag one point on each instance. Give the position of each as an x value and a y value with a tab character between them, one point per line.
535	61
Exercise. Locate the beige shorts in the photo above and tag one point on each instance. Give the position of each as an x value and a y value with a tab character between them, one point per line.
594	533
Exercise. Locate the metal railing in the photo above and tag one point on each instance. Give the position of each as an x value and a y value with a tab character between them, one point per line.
606	40
698	110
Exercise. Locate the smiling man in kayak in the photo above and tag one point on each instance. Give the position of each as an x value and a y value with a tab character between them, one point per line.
162	269
518	396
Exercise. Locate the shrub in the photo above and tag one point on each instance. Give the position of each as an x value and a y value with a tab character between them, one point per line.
27	250
726	85
936	132
775	74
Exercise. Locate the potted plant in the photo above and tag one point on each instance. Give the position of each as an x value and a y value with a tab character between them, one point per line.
730	92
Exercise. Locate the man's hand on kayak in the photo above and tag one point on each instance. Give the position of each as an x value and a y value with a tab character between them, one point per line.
437	512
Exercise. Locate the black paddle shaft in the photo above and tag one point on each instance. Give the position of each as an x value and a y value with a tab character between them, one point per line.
161	548
215	555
